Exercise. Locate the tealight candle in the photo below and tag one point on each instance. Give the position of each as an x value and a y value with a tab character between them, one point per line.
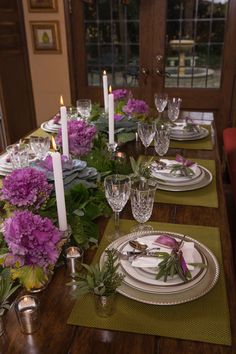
74	259
111	116
105	90
28	314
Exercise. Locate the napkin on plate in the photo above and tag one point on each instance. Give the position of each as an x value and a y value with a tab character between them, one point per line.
168	164
144	262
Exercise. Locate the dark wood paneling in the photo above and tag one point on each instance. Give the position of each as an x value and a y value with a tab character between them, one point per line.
14	71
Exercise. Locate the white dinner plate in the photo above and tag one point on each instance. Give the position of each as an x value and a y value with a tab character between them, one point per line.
48	128
171	177
187	182
148	275
195	136
173	296
202	182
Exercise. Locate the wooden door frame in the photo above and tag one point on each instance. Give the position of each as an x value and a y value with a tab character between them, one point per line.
221	100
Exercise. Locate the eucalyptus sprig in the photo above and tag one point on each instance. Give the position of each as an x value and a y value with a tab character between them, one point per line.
100	281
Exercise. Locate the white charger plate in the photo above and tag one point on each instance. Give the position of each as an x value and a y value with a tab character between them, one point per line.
199	289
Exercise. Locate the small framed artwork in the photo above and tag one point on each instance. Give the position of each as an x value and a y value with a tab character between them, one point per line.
42	5
46	37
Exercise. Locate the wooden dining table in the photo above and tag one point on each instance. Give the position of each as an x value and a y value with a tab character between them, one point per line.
56	336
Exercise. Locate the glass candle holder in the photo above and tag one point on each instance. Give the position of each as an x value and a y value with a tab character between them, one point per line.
74	260
28	313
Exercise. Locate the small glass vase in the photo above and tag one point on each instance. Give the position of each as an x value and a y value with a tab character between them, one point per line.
105	305
2	325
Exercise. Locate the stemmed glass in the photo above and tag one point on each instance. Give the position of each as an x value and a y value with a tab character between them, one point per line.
146	132
160	100
173	108
142	197
84	108
117	192
40	146
162	140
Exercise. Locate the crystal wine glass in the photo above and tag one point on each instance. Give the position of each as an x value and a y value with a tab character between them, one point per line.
40	146
142	195
146	132
174	108
160	100
84	108
162	140
117	192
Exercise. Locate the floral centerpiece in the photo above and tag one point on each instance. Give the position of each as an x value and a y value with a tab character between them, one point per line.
26	188
80	135
33	243
128	111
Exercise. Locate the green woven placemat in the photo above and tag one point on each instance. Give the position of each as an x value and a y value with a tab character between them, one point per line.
205	319
201	144
206	196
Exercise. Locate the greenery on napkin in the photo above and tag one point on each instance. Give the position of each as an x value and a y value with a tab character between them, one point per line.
181	170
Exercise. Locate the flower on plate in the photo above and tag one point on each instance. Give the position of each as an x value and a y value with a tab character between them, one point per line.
26	188
32	240
80	135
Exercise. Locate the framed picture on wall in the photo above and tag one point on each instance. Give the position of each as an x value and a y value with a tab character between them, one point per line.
46	37
42	5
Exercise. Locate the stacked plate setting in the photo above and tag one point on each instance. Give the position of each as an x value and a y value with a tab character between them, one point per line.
169	181
140	283
6	166
179	132
50	126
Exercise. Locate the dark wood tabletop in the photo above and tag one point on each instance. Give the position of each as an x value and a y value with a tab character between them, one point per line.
55	336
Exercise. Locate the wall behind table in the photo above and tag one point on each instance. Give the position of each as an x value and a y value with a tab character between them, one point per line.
49	72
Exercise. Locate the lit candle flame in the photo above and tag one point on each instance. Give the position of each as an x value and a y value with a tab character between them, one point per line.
61	101
104	72
110	89
54	145
25	299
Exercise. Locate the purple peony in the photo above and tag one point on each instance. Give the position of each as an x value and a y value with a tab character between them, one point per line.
134	106
31	239
80	134
26	188
120	94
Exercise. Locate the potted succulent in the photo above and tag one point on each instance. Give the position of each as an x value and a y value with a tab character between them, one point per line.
6	290
102	282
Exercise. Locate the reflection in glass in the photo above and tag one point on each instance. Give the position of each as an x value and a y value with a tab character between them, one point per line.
113	29
194	42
